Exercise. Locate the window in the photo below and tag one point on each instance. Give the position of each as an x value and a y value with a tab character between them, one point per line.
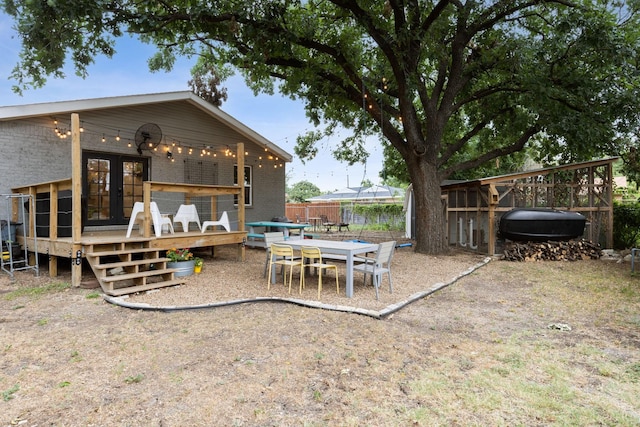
248	189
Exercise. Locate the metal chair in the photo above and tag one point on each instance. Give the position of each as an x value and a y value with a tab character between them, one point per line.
315	257
283	255
379	265
326	223
157	219
222	222
185	215
269	238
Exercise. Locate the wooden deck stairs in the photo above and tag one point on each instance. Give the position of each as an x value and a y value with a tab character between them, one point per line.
126	268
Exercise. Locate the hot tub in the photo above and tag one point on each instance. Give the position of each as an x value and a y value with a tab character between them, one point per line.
541	224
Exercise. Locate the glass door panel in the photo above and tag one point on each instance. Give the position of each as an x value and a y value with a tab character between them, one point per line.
132	179
99	185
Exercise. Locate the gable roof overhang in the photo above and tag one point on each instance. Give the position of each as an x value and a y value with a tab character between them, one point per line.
17	112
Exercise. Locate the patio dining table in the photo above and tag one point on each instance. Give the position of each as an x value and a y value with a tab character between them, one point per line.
334	247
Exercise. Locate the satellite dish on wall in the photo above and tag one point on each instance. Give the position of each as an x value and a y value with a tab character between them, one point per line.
148	136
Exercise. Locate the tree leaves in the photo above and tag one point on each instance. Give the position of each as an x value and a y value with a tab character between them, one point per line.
448	86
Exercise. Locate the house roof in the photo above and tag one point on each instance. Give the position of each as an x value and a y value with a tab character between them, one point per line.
16	112
375	192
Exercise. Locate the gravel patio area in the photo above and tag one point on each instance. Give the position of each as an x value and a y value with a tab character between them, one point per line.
224	281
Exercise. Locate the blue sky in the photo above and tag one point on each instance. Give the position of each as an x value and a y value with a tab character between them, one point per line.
277	118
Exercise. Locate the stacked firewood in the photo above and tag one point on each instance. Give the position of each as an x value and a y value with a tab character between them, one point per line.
573	250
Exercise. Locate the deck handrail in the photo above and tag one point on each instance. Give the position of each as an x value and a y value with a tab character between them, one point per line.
51	187
190	190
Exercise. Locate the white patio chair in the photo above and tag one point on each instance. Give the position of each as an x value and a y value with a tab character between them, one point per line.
185	215
223	222
158	221
379	265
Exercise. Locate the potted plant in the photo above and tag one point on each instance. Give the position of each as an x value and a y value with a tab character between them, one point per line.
181	260
197	264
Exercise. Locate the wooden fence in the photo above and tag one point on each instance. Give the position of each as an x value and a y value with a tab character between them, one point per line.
339	213
302	212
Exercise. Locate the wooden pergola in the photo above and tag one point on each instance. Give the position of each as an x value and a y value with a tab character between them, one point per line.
474	208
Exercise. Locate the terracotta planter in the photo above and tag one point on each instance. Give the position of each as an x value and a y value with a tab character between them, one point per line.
185	268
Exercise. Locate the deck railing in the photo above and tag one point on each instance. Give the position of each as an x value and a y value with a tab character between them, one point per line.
53	189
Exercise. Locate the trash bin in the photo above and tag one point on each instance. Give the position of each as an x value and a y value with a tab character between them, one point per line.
8	230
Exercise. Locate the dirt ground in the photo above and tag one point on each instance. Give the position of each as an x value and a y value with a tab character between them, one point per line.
508	344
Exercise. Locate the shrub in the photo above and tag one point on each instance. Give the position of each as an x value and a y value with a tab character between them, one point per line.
626	225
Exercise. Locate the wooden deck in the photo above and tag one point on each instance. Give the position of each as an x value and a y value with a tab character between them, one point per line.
141	259
64	246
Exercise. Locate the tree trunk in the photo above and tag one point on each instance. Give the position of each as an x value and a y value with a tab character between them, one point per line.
430	225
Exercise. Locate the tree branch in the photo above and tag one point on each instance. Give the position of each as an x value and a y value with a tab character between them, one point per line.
490	155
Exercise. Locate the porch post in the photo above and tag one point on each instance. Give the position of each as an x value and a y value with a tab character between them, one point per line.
240	157
76	195
53	224
146	197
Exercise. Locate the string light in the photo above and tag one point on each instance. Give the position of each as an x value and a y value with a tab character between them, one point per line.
64	132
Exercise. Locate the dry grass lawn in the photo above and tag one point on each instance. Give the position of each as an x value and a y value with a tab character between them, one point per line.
493	348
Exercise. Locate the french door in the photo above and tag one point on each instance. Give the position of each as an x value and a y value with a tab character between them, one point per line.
112	183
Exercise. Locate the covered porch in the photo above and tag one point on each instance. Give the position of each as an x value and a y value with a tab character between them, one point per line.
141	255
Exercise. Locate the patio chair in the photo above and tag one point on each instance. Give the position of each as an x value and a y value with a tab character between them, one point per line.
269	238
185	215
377	266
283	255
315	257
158	221
342	225
222	222
326	223
300	221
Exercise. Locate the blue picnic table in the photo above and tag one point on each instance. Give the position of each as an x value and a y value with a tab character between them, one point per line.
254	231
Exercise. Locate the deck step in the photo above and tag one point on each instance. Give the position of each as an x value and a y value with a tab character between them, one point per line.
122	252
145	287
132	263
138	276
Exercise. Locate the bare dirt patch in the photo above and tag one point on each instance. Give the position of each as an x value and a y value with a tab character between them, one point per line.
479	352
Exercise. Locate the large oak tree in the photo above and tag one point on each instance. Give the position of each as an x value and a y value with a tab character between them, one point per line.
449	85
